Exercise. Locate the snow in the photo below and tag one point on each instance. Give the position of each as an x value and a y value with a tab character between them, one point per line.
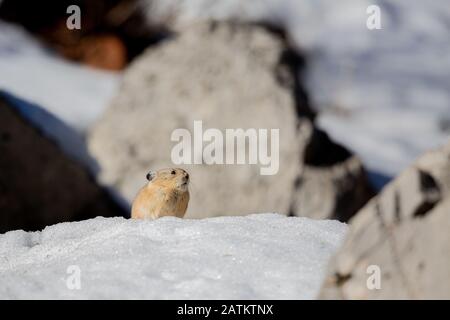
77	95
385	94
260	256
387	100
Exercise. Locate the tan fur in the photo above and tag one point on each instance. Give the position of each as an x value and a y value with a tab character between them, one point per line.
165	195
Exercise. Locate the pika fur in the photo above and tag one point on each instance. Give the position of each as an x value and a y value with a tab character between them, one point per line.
165	194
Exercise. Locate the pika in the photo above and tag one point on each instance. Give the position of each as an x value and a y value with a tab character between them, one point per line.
166	194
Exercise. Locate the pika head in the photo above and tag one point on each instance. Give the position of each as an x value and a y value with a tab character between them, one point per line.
171	178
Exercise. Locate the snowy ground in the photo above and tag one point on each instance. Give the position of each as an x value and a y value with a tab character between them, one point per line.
262	256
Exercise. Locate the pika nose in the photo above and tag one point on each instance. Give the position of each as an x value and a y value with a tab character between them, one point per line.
186	175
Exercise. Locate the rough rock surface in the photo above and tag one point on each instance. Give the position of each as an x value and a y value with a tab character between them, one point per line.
217	73
39	184
228	75
332	184
405	232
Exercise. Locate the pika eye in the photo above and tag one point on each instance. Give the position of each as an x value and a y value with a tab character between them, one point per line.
173	172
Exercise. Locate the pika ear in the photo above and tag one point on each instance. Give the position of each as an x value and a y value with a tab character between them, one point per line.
150	176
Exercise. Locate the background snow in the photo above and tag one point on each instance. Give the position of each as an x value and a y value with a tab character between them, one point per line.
75	94
263	256
390	100
385	94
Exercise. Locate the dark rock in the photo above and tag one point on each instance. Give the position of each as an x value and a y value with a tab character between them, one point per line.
112	32
39	183
332	184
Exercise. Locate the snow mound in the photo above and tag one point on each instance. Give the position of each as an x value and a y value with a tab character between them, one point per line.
260	256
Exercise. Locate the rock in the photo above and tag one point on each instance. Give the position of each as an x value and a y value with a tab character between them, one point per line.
40	184
112	32
228	75
403	232
104	52
333	183
224	75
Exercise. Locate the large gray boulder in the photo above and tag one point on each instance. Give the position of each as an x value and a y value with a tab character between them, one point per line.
404	232
229	76
222	75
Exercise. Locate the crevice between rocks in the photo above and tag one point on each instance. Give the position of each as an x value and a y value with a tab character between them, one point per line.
432	193
394	252
321	153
